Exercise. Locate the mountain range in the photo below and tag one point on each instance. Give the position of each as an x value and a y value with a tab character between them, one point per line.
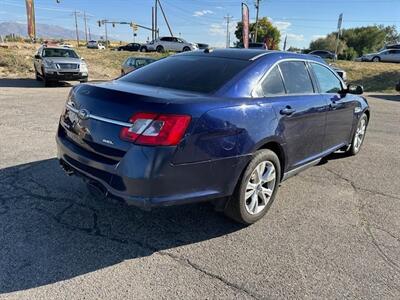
46	31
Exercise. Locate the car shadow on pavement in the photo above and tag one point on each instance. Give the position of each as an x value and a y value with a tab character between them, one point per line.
52	229
28	83
387	97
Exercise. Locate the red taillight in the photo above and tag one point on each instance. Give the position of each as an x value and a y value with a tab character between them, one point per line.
155	129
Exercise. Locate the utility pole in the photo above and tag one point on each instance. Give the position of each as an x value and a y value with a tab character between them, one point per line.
105	29
86	32
257	5
228	18
76	28
152	23
155	19
165	18
90	36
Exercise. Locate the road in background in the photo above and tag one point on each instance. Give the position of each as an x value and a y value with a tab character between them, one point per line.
333	231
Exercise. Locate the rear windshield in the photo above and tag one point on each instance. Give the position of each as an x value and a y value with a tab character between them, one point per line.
188	73
56	52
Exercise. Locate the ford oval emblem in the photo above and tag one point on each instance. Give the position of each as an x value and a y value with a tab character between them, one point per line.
83	114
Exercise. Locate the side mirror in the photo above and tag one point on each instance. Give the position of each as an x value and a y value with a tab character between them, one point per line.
82	58
355	89
37	56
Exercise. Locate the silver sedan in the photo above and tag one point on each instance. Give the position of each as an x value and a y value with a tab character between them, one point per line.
389	55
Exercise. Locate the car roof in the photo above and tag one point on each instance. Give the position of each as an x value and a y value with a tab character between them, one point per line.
249	54
233	53
57	47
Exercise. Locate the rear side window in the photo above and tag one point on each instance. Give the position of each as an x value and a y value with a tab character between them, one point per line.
273	84
328	82
188	73
296	77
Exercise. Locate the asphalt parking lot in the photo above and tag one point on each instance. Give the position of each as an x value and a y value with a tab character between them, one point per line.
333	232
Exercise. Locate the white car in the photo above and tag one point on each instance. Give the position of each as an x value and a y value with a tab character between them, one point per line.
95	45
66	45
169	43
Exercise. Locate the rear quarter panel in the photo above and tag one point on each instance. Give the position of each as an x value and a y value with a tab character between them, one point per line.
230	131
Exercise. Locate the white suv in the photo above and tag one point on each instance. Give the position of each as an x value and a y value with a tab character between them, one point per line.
169	43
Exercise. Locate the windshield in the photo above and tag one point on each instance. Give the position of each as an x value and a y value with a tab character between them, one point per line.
55	52
188	73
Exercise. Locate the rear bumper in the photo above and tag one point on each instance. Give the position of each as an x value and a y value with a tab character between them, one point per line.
144	176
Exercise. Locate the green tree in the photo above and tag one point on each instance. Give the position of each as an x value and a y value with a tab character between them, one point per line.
365	39
266	31
392	35
328	43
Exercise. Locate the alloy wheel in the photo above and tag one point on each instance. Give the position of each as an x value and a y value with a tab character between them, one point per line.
260	187
360	134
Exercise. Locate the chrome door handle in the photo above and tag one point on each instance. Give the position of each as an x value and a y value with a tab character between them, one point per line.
287	111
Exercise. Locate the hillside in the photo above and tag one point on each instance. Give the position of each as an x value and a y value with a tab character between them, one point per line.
45	31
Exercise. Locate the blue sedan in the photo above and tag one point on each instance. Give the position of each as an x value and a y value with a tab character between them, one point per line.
226	125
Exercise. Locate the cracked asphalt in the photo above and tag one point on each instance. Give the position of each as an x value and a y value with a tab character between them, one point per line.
333	231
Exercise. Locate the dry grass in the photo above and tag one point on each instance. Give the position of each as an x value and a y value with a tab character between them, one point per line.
375	77
17	62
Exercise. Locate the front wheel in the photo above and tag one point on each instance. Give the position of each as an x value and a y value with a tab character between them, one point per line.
376	59
160	49
359	135
37	76
143	49
257	188
185	49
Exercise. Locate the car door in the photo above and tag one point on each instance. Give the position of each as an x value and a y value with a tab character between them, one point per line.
396	55
166	43
386	56
175	45
301	111
340	115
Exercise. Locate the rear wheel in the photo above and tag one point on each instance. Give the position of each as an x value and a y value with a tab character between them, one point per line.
143	49
359	135
257	188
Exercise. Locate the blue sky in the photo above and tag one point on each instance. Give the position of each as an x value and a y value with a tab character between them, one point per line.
203	20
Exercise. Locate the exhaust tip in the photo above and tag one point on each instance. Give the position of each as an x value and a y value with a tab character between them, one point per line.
67	169
96	189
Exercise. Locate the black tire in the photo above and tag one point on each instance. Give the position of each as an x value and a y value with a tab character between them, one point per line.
143	49
185	49
47	83
160	49
376	59
37	76
356	145
237	206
